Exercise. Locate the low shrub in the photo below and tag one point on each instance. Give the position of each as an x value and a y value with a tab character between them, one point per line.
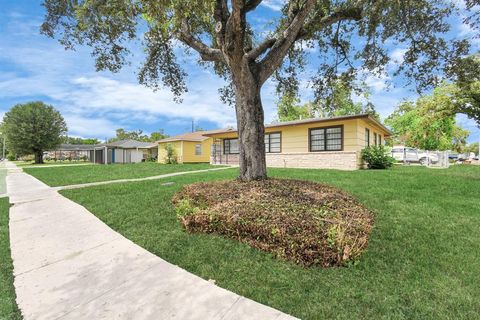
171	156
300	221
377	157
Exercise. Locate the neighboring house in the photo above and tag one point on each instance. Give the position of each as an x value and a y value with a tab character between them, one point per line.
334	143
71	152
125	151
190	147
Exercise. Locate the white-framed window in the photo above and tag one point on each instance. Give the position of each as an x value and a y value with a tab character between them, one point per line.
198	149
273	142
367	137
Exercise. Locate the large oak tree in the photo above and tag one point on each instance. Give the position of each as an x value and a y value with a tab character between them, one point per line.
349	36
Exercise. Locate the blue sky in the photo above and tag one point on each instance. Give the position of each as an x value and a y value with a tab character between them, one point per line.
94	104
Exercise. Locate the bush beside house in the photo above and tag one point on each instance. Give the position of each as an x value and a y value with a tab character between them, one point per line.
377	157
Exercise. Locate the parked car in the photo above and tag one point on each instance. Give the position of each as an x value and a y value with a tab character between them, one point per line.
404	154
409	155
424	157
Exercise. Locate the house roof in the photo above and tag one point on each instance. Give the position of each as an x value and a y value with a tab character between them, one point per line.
129	144
197	136
314	120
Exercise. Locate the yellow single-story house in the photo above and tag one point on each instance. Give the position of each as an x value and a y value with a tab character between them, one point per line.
192	147
334	143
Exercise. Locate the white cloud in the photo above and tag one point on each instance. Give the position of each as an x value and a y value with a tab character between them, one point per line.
88	127
470	33
101	94
398	55
42	69
275	5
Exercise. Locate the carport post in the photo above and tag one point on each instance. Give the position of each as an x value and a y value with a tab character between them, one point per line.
105	156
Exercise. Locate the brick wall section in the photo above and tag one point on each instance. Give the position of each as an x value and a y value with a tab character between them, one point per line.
343	160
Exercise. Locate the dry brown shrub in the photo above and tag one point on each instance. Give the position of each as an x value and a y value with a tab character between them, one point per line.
304	222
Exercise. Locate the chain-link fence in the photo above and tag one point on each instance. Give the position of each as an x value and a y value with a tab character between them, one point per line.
438	159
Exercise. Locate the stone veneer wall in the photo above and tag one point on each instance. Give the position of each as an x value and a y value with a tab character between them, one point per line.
344	160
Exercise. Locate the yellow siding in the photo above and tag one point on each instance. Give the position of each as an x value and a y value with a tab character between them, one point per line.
361	126
295	137
162	152
189	151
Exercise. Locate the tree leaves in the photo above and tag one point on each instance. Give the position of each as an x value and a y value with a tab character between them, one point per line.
348	36
429	123
33	128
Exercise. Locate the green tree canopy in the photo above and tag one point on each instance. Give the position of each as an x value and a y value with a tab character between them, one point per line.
340	103
32	128
289	108
472	147
122	134
158	135
419	124
77	140
464	91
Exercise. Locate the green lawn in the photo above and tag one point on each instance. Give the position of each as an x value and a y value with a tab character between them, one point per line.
50	163
423	259
62	176
8	306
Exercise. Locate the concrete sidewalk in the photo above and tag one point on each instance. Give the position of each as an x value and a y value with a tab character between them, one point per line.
162	176
70	265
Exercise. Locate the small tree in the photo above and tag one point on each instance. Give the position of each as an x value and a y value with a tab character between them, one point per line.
32	128
171	157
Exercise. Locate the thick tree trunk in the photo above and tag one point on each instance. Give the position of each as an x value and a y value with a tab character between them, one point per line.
39	157
250	126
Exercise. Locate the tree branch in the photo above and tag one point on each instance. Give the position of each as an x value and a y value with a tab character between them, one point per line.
221	17
235	29
260	49
321	22
300	30
252	5
206	53
283	42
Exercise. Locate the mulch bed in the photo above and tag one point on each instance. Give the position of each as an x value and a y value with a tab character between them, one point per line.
300	221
